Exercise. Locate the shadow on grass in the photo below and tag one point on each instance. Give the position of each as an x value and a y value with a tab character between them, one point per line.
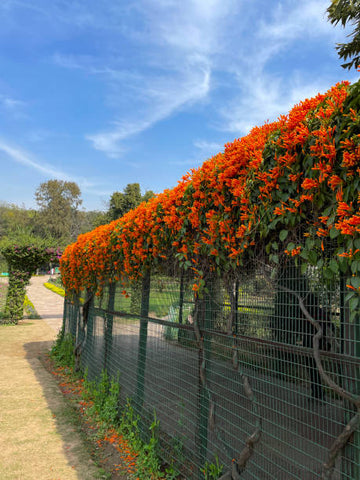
82	454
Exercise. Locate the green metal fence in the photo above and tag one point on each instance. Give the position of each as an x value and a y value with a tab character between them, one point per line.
232	373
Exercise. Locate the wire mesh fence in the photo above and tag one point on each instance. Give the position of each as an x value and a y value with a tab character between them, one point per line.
232	373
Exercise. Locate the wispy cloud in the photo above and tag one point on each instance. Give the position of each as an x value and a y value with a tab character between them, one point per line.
24	158
261	93
174	49
13	106
208	149
158	101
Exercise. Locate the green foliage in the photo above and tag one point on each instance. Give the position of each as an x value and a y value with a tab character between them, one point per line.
104	393
129	425
14	219
148	457
62	351
55	288
345	12
24	253
135	298
58	214
30	309
212	471
130	198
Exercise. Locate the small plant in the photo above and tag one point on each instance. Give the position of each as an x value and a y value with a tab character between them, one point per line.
62	351
104	395
129	425
30	309
148	459
212	471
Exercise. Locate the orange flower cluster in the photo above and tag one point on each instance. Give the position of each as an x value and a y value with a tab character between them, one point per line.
262	183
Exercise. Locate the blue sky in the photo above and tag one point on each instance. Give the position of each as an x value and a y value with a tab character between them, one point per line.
111	92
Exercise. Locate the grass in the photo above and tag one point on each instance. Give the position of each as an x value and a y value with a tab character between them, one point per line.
42	438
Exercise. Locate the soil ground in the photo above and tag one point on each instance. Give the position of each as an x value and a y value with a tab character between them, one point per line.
39	439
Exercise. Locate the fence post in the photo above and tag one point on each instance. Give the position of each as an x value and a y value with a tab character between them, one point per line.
350	340
65	317
144	312
109	320
205	314
181	297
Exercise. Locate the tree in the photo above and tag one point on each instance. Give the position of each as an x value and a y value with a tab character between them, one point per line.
13	218
130	198
24	253
345	11
58	214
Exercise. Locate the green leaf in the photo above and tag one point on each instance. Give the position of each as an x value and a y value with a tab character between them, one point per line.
304	254
349	295
283	234
327	211
313	257
328	274
353	316
357	243
355	282
334	266
309	243
290	246
355	266
353	303
334	233
274	258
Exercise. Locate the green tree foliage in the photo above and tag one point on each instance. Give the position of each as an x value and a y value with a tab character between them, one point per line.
24	253
14	218
344	12
130	198
58	214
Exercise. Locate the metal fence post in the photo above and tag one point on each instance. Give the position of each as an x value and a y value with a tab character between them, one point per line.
109	320
181	297
350	340
144	312
205	317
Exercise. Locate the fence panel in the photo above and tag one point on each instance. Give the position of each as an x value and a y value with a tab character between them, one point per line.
233	365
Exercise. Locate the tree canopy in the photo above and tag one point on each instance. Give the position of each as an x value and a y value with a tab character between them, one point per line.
344	12
58	214
130	198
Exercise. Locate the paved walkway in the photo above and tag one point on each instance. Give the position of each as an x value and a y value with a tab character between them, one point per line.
37	442
48	304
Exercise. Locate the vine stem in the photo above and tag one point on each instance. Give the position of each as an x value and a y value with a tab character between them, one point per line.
353	424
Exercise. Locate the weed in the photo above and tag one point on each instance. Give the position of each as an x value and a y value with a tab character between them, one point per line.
212	471
148	458
104	395
62	351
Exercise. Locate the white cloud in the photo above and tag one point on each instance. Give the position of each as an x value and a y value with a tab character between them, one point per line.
262	92
177	41
12	106
156	99
208	149
24	158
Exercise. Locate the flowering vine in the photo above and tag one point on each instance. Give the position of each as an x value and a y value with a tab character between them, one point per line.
287	189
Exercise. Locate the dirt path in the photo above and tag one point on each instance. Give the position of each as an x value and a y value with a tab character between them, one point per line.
37	439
